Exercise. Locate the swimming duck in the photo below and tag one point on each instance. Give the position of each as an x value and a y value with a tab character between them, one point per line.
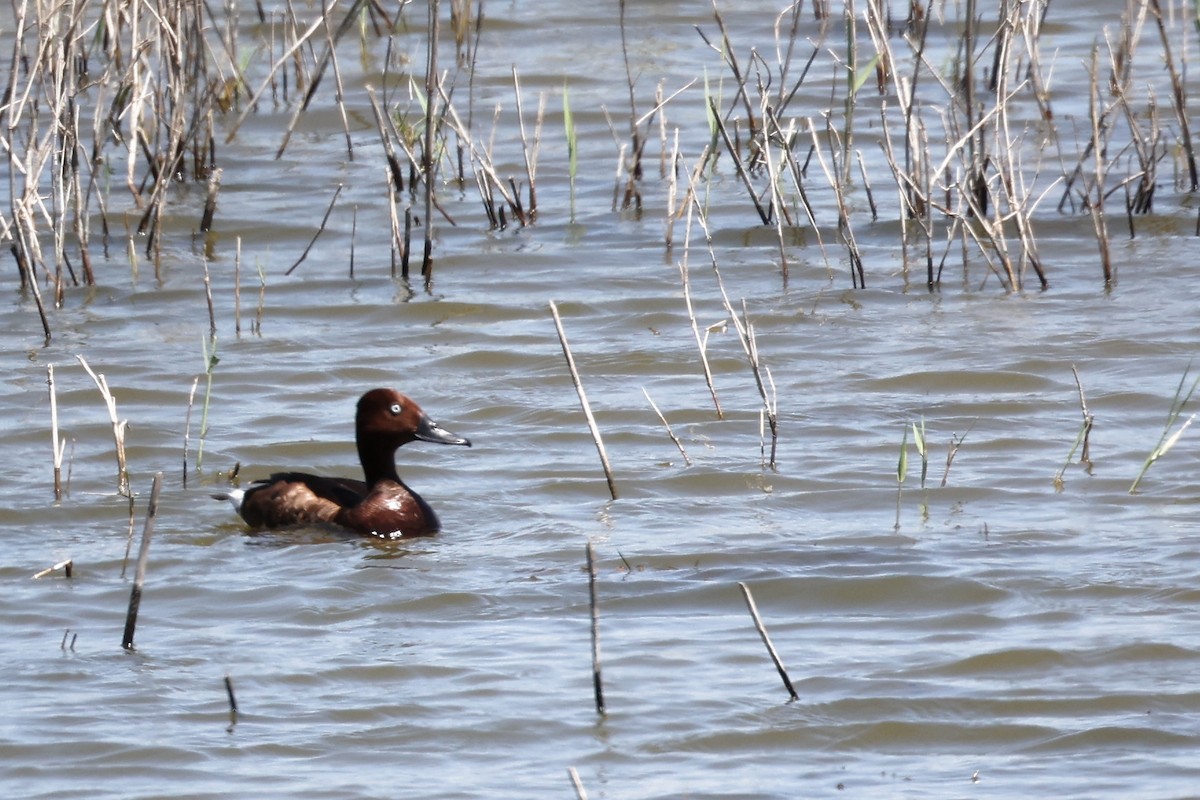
382	505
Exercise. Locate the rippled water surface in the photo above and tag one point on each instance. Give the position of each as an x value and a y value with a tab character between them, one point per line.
987	634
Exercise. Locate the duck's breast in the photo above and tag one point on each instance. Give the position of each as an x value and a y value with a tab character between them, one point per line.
390	510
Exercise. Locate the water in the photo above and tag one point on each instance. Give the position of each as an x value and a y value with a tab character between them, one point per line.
993	637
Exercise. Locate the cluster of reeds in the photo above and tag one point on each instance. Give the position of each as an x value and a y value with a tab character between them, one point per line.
108	108
102	98
967	131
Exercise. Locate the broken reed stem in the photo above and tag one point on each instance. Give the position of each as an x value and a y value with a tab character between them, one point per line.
1080	438
955	443
187	427
68	567
577	784
233	706
210	201
58	445
237	288
530	158
687	461
587	409
597	683
762	631
135	595
354	232
693	205
118	427
316	235
1088	418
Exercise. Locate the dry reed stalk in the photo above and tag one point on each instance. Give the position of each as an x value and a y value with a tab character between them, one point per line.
406	246
396	240
1096	195
745	334
386	126
593	606
237	287
340	93
135	595
487	181
233	706
729	56
745	331
687	461
672	193
1082	438
1148	147
583	401
256	326
577	784
771	125
118	426
910	195
991	230
530	153
428	162
743	174
210	201
58	446
766	639
1179	98
67	567
1013	190
701	341
298	41
857	275
328	57
862	171
850	20
320	230
187	427
785	54
208	297
354	229
770	399
951	452
775	187
620	171
974	179
632	196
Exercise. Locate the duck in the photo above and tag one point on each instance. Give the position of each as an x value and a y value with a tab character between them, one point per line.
381	505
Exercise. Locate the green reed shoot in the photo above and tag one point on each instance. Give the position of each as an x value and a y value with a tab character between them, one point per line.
210	363
1168	439
922	448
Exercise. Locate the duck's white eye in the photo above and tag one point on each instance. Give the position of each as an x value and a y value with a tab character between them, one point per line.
396	409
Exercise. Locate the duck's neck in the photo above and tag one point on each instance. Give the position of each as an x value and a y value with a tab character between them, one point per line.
378	462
